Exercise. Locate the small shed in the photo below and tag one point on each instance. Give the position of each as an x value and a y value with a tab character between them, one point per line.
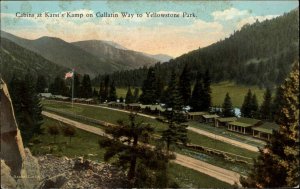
152	108
243	125
195	116
60	97
114	104
90	101
265	130
223	121
45	95
209	118
133	106
111	104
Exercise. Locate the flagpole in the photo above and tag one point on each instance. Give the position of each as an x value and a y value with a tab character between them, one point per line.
73	88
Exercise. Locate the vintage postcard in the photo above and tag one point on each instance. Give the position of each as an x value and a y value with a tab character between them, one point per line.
149	94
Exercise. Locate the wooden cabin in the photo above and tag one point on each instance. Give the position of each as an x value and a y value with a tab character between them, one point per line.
195	116
243	125
224	121
265	130
133	107
209	118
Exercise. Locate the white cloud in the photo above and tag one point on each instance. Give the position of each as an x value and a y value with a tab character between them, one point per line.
252	19
229	14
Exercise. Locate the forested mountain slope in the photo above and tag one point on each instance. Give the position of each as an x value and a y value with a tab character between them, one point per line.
64	54
16	60
258	54
90	57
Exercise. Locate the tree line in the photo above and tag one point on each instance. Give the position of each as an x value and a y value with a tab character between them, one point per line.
178	92
82	87
250	107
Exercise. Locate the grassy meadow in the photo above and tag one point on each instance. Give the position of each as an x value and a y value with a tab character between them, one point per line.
219	90
86	144
82	144
236	92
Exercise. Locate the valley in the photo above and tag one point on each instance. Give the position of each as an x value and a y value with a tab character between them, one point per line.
145	96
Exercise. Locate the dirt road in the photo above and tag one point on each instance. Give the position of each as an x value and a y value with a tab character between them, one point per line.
224	139
200	166
77	124
209	169
196	130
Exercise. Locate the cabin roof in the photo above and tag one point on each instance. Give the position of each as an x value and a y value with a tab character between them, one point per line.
134	104
226	119
246	120
240	124
208	116
196	113
267	127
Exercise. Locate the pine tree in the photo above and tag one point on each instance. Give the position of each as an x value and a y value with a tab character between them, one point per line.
196	100
228	110
106	88
185	85
86	90
76	86
95	93
147	167
15	86
136	94
159	89
278	163
276	102
58	87
254	107
246	107
131	154
34	105
265	109
176	132
148	95
174	99
41	84
101	92
112	92
28	109
206	99
129	98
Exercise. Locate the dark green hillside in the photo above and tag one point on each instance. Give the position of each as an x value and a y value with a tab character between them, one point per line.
259	54
17	60
64	54
87	57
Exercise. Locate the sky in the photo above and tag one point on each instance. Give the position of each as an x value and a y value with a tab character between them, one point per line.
212	21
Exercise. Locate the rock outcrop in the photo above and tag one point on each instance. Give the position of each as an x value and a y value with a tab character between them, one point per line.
7	181
19	169
80	173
